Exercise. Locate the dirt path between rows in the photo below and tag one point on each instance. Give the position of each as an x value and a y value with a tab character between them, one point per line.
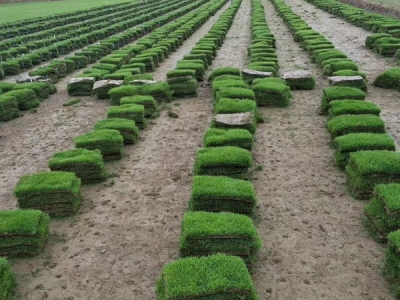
314	243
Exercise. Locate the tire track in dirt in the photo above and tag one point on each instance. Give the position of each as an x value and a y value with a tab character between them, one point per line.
314	243
350	39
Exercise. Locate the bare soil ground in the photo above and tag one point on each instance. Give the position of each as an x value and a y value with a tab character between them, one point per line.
129	227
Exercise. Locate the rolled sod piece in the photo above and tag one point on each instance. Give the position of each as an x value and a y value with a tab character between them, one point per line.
26	98
123	91
109	141
368	168
232	106
352	142
23	232
271	94
353	107
241	138
339	93
223	161
390	79
80	86
8	108
159	91
205	233
346	124
56	193
150	105
133	112
212	277
7	280
126	127
224	71
391	268
383	212
86	164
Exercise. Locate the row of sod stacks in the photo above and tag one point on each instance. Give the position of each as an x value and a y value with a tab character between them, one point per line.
383	212
23	233
56	193
333	61
215	242
7	280
86	164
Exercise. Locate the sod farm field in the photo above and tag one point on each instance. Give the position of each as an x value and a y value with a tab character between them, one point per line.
199	149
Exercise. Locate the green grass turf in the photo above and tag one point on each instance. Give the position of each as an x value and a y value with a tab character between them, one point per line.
21	11
215	137
7	280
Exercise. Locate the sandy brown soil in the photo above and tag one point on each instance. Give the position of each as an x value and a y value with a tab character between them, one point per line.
129	227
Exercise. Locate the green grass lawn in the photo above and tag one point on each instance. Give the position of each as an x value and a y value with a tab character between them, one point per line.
20	11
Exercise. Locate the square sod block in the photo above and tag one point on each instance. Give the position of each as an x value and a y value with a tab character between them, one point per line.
389	79
148	102
56	193
220	193
197	67
122	91
206	278
215	137
87	165
180	73
223	71
356	81
181	87
346	124
391	267
126	127
7	280
383	212
102	87
8	108
353	142
41	89
249	75
339	93
246	120
80	86
23	232
159	91
299	80
133	112
205	233
109	141
223	161
26	98
235	93
353	107
218	84
368	168
271	94
233	106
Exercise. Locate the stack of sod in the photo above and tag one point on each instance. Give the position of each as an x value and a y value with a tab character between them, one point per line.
352	142
232	106
159	91
346	124
299	80
383	212
126	127
269	93
212	277
205	233
7	280
198	67
122	91
235	93
23	232
8	108
133	112
390	79
369	168
109	141
224	71
26	98
223	161
80	86
391	269
352	107
231	83
339	93
87	165
56	193
220	193
41	89
182	82
233	137
148	102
